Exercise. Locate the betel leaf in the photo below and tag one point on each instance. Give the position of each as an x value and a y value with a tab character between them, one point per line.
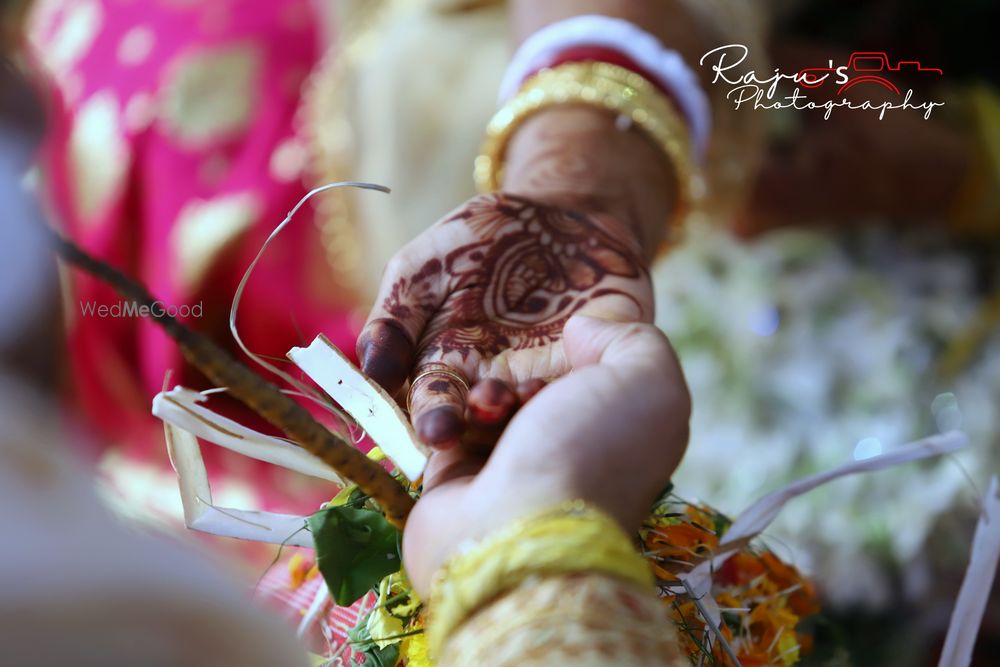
355	548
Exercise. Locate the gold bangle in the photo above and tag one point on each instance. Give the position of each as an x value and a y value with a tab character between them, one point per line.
597	84
571	538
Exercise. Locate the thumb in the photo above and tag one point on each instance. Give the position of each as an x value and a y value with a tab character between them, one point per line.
590	340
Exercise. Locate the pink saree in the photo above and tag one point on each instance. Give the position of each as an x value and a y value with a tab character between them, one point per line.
172	153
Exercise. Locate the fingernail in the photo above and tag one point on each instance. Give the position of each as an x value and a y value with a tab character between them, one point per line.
440	427
386	354
491	401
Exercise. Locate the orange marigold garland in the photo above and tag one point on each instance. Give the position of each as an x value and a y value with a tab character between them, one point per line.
762	598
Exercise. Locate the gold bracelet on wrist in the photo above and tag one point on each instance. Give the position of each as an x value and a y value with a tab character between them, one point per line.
596	84
571	538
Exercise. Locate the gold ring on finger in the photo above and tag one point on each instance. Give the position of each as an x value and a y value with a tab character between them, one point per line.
437	370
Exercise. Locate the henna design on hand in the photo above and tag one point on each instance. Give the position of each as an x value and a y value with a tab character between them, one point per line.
501	274
533	266
413	295
386	345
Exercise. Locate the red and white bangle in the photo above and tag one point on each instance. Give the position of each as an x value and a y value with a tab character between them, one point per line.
622	43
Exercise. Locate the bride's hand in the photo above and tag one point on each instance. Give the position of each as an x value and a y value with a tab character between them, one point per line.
484	294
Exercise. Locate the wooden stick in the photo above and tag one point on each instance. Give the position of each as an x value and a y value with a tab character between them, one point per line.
255	392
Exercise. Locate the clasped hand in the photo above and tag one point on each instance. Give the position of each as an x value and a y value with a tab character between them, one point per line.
508	299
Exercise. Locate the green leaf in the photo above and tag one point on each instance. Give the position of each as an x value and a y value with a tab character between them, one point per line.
665	493
362	642
358	635
355	548
382	657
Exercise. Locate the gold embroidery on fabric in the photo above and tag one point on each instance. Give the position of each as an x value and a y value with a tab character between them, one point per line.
204	228
288	160
210	95
98	156
136	45
585	620
140	110
72	39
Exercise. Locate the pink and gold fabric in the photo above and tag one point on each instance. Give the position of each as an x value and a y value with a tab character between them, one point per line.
172	153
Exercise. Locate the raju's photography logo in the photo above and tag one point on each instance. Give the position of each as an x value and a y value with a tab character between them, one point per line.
133	309
831	81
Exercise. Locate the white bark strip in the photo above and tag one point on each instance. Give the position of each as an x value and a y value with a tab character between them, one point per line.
199	512
183	408
755	519
752	521
369	405
976	586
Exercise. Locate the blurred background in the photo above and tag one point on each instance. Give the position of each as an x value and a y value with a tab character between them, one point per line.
835	294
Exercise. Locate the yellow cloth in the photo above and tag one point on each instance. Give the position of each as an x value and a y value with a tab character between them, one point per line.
581	620
570	539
